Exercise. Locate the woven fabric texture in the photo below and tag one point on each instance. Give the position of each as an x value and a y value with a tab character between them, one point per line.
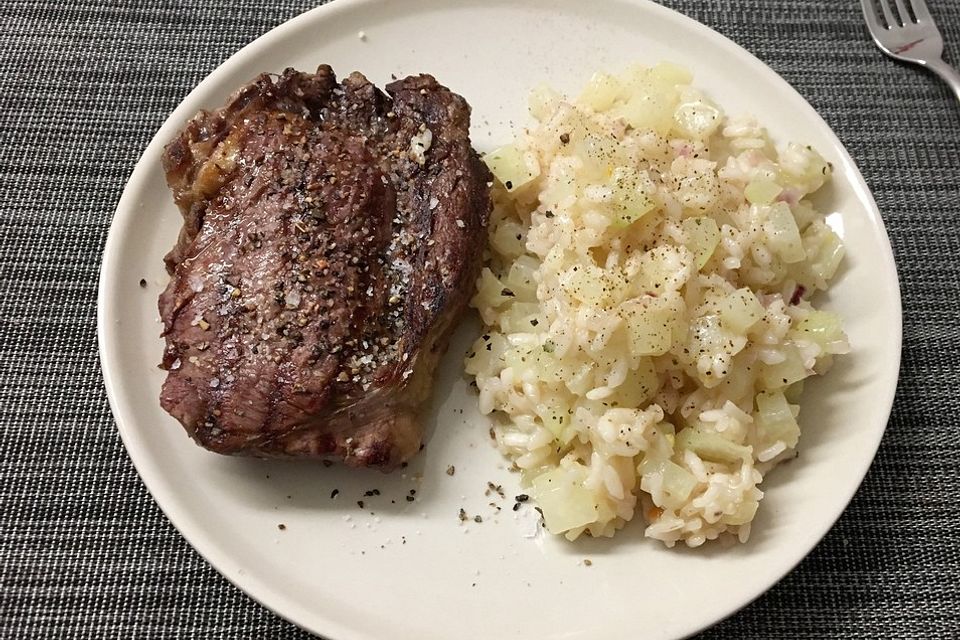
84	550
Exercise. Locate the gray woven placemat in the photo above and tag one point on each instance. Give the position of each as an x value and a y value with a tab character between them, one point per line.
85	552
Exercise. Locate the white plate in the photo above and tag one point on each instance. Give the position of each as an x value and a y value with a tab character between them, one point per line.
412	570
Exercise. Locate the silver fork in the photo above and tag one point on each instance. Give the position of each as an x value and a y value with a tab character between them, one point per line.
909	38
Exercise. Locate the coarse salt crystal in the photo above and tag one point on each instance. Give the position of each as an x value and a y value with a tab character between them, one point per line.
419	145
292	299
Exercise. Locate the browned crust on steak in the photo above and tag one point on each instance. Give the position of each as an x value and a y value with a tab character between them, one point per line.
321	265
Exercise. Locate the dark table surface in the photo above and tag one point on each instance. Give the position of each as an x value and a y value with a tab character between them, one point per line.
84	550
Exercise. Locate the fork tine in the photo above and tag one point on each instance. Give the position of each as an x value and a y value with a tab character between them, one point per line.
904	14
920	11
870	15
888	14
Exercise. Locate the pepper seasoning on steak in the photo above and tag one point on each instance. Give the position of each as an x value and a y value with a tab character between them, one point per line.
331	238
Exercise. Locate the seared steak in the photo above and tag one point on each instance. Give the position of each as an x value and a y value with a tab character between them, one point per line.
331	237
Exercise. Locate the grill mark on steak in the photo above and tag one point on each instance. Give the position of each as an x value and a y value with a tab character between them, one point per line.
321	264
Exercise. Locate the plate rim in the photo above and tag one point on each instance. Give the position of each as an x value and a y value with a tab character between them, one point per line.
204	545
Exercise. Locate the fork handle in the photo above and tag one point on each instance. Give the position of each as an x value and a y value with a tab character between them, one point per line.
946	72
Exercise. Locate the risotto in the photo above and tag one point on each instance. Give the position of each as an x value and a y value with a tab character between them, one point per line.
647	307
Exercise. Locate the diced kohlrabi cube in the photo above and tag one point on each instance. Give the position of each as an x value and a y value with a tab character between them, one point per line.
640	385
511	166
740	310
542	102
783	234
826	252
821	327
743	514
650	325
762	191
668	75
565	502
592	285
555	413
520	317
774	420
783	374
698	120
711	446
508	237
601	92
676	482
631	199
703	235
648	107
